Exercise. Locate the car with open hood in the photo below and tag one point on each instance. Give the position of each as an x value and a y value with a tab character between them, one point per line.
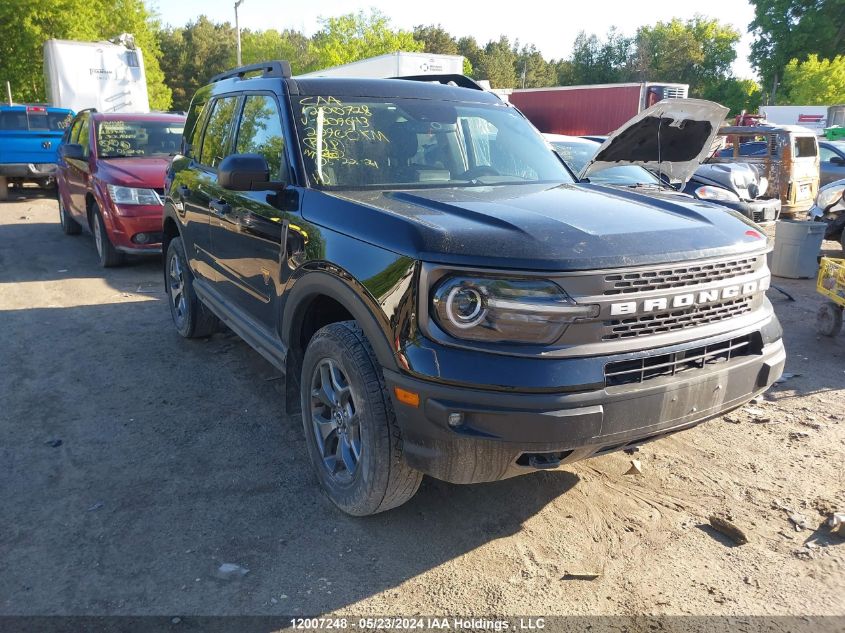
110	179
441	294
631	157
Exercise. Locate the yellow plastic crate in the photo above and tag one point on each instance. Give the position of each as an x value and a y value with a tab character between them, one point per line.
831	280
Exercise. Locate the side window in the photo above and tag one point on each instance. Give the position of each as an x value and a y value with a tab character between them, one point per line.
193	128
826	154
73	132
82	139
218	131
260	132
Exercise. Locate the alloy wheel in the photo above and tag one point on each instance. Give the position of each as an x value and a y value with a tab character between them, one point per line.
177	289
335	420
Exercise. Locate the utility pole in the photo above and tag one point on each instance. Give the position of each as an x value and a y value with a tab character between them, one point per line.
238	29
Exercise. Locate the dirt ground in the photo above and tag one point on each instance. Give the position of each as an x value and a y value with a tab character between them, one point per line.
134	463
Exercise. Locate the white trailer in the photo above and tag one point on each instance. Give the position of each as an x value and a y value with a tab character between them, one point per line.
813	117
108	77
396	65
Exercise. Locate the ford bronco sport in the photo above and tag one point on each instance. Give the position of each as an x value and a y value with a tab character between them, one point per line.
440	293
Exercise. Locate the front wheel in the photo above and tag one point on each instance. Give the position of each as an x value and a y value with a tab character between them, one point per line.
191	318
353	439
108	255
69	225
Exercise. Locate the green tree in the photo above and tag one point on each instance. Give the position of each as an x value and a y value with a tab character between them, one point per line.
293	46
533	70
26	24
736	94
595	61
436	40
793	29
698	52
814	81
195	53
497	63
348	38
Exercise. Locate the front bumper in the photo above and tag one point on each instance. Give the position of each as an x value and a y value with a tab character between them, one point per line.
28	170
760	211
132	221
501	433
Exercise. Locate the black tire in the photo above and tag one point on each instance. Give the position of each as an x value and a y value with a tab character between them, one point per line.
69	225
377	479
829	319
108	255
4	189
191	318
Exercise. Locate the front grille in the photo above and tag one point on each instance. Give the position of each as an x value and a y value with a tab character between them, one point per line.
677	276
661	322
636	371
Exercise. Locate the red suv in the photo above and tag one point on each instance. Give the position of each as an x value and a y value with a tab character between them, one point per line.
110	178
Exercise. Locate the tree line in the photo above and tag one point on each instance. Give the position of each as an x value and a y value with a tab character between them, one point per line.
797	50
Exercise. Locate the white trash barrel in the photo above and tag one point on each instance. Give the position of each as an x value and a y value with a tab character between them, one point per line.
797	246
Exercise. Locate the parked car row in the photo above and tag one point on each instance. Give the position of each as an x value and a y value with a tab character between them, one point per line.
443	296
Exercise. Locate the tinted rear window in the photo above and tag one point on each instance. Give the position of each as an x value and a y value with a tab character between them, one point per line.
805	147
14	120
20	120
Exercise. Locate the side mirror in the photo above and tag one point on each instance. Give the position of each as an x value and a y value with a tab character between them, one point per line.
72	151
837	160
245	172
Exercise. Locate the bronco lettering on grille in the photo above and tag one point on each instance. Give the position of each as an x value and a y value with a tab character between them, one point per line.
655	304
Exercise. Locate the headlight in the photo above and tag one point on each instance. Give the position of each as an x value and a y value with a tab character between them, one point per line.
505	310
829	197
716	193
130	195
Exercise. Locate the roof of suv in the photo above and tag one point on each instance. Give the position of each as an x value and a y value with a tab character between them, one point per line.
368	87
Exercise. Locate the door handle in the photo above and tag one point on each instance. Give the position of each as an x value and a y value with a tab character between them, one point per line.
219	208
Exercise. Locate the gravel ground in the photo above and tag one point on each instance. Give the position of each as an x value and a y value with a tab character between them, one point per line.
134	463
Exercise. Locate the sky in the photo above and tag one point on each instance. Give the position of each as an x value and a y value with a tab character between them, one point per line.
550	26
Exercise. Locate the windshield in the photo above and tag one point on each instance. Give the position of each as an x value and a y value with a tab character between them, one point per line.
577	153
370	142
123	139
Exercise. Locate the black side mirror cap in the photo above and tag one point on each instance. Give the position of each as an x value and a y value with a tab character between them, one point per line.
245	172
72	151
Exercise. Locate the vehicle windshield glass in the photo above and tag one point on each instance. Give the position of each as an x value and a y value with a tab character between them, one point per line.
124	139
577	153
403	143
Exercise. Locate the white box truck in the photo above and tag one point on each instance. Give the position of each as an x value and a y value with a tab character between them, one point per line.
102	75
396	65
813	117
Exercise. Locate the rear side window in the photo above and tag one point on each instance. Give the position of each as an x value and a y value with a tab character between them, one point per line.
260	132
805	147
13	121
218	131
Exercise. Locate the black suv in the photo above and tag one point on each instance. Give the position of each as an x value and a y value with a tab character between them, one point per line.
441	295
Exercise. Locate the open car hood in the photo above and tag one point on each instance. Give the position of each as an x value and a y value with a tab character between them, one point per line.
671	138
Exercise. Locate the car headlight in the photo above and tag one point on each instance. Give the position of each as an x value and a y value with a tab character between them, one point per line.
131	195
716	193
493	309
829	196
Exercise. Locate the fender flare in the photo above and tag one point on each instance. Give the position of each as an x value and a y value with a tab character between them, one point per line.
343	288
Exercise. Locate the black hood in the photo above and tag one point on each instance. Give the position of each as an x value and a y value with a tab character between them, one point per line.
535	226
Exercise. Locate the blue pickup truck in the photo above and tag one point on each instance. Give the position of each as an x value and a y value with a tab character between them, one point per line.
29	139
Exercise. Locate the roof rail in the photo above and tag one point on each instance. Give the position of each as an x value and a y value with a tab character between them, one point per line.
461	81
273	68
